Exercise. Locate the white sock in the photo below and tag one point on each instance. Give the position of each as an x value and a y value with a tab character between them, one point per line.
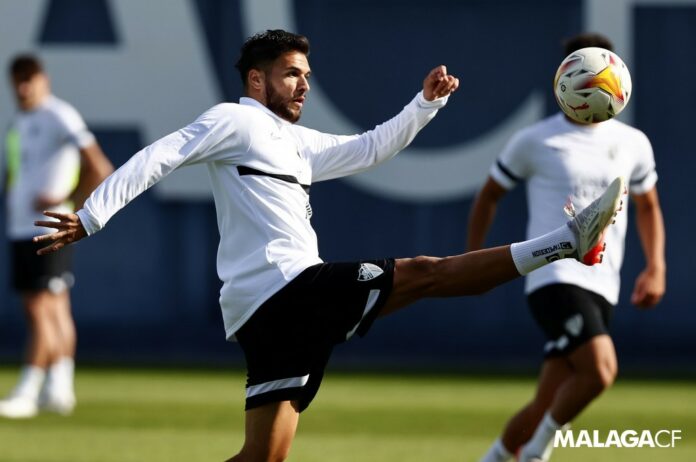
535	253
497	453
31	379
60	376
540	444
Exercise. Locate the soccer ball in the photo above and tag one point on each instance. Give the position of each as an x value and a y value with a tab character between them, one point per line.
592	85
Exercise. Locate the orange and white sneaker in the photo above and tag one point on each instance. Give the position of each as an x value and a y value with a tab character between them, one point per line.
589	224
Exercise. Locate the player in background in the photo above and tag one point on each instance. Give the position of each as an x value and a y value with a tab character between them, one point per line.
52	162
560	159
283	304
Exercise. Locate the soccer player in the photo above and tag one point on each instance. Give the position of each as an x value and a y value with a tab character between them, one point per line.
52	162
560	159
283	304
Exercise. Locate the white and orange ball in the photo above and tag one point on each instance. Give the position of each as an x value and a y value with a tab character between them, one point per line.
592	85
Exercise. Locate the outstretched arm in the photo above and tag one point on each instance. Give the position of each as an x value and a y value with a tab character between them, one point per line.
211	137
334	156
650	284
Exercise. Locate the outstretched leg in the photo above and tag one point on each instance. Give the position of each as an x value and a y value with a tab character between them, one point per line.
477	272
468	274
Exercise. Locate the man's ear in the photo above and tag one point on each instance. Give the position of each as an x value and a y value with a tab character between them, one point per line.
256	80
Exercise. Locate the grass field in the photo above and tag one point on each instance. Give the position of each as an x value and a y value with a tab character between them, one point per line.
168	415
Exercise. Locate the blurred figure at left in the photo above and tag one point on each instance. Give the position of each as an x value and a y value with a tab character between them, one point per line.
51	162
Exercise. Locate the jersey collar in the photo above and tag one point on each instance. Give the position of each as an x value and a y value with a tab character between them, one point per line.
246	101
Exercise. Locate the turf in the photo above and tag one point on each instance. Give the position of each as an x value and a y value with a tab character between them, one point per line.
175	415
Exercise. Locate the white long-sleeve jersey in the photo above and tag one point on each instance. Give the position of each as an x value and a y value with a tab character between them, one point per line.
260	167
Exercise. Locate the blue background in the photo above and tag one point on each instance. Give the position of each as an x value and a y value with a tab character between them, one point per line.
147	287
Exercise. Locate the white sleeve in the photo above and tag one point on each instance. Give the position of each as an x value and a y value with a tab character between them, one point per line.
334	156
644	175
512	167
73	127
211	137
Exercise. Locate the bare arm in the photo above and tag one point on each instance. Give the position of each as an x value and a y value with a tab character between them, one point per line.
650	284
482	213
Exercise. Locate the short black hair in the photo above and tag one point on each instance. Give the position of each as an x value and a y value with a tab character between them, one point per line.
263	48
25	66
588	39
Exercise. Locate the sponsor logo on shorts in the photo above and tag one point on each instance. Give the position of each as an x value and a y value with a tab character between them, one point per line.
552	258
369	271
558	344
573	325
554	248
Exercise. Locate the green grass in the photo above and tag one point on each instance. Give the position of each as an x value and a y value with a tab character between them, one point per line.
137	415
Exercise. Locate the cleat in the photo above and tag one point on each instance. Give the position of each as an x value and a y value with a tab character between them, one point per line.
589	224
18	407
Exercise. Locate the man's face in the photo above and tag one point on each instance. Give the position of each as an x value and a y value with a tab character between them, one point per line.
287	86
30	90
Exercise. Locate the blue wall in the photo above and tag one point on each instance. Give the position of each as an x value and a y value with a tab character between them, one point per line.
147	287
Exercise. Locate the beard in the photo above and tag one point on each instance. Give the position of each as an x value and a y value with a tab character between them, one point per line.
281	106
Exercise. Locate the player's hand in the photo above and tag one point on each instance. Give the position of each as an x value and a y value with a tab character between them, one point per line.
69	229
438	84
649	288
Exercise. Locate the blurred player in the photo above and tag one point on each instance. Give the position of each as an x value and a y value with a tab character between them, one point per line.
561	159
286	307
52	162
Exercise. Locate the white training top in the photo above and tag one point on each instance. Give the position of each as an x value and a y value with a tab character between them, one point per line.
42	159
260	168
562	160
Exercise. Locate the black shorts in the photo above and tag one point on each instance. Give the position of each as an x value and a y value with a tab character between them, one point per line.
569	316
287	342
31	272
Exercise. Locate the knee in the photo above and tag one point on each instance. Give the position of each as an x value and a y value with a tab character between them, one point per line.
602	375
424	271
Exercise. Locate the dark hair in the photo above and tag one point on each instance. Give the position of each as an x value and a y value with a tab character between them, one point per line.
25	66
585	40
263	48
